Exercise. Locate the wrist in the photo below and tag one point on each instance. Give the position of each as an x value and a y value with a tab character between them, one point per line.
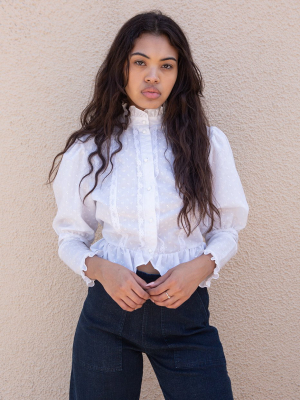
205	261
94	267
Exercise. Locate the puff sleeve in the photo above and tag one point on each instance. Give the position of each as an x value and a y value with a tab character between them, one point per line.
75	223
222	240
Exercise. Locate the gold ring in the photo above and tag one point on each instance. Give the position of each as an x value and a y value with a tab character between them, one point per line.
168	295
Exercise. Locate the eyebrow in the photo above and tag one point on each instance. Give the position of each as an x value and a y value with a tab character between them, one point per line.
144	55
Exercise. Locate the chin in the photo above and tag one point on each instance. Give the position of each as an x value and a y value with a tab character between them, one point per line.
144	103
152	103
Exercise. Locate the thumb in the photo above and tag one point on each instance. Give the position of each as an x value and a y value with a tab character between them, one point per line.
159	280
140	281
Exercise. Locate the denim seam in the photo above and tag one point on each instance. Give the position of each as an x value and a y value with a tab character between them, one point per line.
215	361
201	301
122	324
164	335
96	368
143	325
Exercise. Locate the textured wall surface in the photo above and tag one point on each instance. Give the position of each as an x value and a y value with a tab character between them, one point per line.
248	53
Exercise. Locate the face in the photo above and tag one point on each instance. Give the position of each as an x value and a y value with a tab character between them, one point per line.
153	66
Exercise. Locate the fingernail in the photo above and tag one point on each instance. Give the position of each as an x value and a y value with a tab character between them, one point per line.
150	284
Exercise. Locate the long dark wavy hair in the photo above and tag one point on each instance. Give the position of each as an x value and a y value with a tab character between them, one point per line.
184	121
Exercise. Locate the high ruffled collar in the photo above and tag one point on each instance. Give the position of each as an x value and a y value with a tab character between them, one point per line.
150	115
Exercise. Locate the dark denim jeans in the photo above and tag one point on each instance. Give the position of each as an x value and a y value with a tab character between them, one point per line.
184	349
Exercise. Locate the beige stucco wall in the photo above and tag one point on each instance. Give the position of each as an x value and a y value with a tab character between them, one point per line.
248	52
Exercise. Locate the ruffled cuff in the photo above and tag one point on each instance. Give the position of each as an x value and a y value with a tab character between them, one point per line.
214	274
83	267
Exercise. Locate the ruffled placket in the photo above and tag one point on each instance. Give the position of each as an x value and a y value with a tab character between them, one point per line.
145	125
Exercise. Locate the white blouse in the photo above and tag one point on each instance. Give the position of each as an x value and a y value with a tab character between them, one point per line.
137	204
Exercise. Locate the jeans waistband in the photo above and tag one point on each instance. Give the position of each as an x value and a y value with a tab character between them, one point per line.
147	277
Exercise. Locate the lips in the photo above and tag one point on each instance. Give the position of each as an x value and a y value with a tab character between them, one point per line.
151	90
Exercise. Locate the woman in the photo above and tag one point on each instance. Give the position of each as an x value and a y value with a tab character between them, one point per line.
172	182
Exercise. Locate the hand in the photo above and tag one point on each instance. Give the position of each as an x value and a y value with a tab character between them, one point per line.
123	285
180	282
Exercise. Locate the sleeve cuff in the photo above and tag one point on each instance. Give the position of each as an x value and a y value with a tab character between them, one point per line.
215	273
83	267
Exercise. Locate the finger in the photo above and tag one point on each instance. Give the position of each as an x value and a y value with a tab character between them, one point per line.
167	285
130	302
140	281
163	296
159	280
168	302
135	298
176	304
124	306
137	287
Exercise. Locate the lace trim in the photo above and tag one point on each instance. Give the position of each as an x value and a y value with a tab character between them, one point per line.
139	188
137	113
161	247
152	112
155	152
215	274
83	267
113	195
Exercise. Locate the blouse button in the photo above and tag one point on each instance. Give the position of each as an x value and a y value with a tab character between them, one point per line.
144	131
145	159
144	121
150	219
149	188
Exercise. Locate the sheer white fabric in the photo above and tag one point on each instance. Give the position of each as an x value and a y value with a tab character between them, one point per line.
137	203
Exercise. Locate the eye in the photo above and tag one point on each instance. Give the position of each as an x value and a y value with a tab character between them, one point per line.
171	66
168	65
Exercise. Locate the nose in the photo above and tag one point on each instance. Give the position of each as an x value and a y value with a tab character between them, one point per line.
152	78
